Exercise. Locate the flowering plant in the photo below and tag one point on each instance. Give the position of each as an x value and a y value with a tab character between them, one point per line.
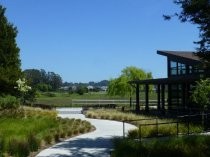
22	86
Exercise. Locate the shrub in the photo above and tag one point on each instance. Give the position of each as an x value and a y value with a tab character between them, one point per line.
133	134
34	142
49	94
76	132
94	116
107	116
69	133
63	134
19	148
190	146
56	136
201	93
82	130
9	102
48	139
2	144
102	117
89	115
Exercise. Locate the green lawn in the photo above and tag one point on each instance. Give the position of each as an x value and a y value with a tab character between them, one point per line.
63	99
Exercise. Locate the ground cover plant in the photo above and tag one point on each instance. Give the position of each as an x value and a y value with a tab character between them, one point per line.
145	131
26	130
188	146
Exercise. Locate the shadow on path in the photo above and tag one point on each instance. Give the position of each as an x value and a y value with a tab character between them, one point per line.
85	147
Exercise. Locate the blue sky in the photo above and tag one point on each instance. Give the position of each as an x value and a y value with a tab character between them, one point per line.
92	40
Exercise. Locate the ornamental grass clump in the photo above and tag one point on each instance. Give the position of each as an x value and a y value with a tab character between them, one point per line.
34	142
186	146
29	129
18	147
48	139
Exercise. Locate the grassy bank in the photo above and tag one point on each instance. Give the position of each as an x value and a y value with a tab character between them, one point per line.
191	146
146	131
27	130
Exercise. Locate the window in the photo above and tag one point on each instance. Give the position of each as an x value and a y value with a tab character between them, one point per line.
177	68
190	69
173	68
181	69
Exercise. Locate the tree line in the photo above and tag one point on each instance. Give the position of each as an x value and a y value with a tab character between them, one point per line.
42	80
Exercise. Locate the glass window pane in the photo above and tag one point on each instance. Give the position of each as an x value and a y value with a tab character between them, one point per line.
173	68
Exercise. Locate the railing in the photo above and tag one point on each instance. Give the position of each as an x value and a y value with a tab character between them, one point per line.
98	101
86	102
185	120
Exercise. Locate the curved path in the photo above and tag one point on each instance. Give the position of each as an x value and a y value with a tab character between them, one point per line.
94	144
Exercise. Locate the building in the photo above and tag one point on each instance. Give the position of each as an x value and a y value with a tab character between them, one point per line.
184	69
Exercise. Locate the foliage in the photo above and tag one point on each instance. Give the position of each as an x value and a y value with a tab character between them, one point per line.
91	83
9	102
42	80
197	12
120	85
191	146
81	90
201	93
29	130
43	87
9	55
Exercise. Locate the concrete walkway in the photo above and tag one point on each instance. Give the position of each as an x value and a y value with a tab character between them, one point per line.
94	144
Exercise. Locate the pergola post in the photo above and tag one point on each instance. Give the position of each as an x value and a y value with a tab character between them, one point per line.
158	96
169	97
184	95
137	99
163	97
147	97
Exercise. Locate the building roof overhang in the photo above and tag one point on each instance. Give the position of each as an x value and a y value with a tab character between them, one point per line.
187	57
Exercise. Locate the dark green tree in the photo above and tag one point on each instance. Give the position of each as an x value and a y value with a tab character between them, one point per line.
33	76
54	80
10	70
81	90
197	12
40	79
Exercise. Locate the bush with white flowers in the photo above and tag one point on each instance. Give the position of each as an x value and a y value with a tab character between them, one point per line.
23	88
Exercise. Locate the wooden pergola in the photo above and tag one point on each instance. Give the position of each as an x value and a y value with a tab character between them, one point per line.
161	84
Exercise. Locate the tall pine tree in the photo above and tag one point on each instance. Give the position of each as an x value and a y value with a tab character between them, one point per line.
10	70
